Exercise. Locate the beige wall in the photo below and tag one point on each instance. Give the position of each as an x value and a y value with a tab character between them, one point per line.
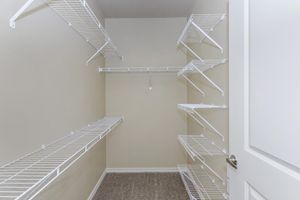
219	118
148	136
46	91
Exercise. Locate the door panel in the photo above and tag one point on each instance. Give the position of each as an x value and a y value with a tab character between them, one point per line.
274	76
252	194
264	99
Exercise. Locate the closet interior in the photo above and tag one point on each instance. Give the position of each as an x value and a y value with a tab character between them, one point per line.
136	94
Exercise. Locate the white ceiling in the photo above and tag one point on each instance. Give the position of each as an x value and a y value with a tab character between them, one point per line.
145	8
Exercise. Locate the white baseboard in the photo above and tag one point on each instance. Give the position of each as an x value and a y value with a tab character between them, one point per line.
97	185
142	170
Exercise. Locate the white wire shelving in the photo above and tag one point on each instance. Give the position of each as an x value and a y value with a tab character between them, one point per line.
194	153
201	66
25	177
201	146
139	69
192	111
200	184
189	183
79	15
198	28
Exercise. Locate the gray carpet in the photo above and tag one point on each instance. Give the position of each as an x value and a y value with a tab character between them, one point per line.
142	186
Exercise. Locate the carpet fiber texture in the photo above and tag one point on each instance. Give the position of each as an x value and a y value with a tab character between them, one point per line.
141	186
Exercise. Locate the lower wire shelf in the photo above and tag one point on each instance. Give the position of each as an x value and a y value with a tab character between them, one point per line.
200	185
25	177
201	146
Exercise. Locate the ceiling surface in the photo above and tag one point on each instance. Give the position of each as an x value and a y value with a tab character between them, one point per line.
145	8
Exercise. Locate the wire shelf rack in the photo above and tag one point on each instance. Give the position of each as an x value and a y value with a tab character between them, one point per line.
139	69
192	107
188	182
195	153
200	184
200	145
191	110
198	66
199	28
79	15
25	177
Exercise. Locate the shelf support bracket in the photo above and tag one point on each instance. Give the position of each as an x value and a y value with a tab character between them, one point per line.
207	36
12	20
184	31
191	50
97	52
193	84
188	150
209	80
209	124
213	171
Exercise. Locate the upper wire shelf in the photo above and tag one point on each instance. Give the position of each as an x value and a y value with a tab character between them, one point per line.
25	177
139	69
79	15
191	110
200	184
200	66
199	28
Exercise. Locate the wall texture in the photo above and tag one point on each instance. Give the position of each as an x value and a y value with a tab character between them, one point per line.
218	118
148	137
46	91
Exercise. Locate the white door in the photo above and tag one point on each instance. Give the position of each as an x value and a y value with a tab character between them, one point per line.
265	99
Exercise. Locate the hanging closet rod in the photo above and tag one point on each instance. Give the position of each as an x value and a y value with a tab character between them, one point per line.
139	69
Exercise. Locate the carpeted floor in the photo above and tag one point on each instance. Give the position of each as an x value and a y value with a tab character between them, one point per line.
142	186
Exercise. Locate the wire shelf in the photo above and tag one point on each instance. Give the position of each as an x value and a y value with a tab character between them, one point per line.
197	147
192	107
199	28
201	146
204	65
191	110
81	18
201	185
138	69
25	177
198	66
188	182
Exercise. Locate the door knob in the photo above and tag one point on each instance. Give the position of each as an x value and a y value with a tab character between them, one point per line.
232	161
